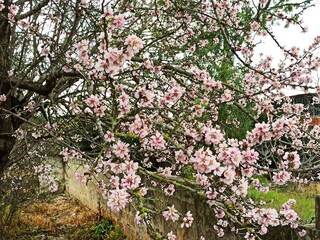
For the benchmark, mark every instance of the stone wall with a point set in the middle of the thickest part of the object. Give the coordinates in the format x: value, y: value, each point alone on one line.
x: 90, y: 196
x: 183, y: 201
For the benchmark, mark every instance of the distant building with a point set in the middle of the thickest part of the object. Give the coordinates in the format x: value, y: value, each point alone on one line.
x: 307, y: 100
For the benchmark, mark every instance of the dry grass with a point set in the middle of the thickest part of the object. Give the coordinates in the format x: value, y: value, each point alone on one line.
x: 54, y: 217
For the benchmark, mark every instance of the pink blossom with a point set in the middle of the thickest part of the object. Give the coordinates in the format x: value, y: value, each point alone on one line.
x: 169, y: 190
x: 187, y: 220
x: 116, y: 168
x: 165, y: 171
x: 30, y: 106
x: 118, y: 199
x: 166, y: 5
x: 202, y: 179
x: 100, y: 111
x: 192, y: 48
x: 109, y: 136
x: 302, y: 233
x: 158, y: 142
x: 130, y: 167
x: 254, y: 26
x: 242, y: 188
x: 64, y: 153
x: 226, y: 96
x: 290, y: 215
x: 120, y: 149
x: 130, y: 181
x: 23, y: 24
x: 103, y: 65
x: 220, y: 213
x: 230, y: 156
x: 143, y: 191
x: 156, y: 69
x: 84, y: 3
x: 13, y: 9
x: 171, y: 214
x: 45, y: 52
x: 10, y: 73
x: 180, y: 157
x: 229, y: 175
x: 281, y: 177
x: 134, y: 44
x: 171, y: 236
x: 220, y: 231
x: 93, y: 101
x: 263, y: 230
x: 118, y: 21
x: 80, y: 178
x: 260, y: 133
x: 108, y: 13
x: 204, y: 161
x: 19, y: 134
x: 11, y: 17
x: 53, y: 187
x: 290, y: 203
x: 214, y: 136
x: 193, y: 133
x: 3, y: 98
x: 176, y: 93
x: 148, y: 64
x: 138, y: 218
x: 293, y: 159
x: 250, y: 156
x: 265, y: 217
x: 115, y: 181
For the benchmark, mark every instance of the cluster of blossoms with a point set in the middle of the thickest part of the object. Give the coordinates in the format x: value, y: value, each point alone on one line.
x: 46, y: 177
x: 110, y: 60
x: 118, y: 199
x: 204, y: 161
x: 69, y: 153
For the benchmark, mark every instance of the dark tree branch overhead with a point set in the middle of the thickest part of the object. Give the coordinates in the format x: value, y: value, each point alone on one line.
x: 45, y: 84
x: 33, y: 11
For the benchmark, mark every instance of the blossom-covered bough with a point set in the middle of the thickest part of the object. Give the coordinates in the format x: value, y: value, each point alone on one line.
x: 163, y: 93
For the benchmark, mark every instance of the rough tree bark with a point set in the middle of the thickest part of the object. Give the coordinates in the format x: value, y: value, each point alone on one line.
x: 6, y: 128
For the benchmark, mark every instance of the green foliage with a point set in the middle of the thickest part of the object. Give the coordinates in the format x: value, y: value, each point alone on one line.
x: 228, y: 114
x: 105, y: 230
x: 277, y: 196
x: 262, y: 178
x: 188, y: 172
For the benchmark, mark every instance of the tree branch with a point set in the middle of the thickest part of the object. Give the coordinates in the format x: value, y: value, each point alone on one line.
x: 33, y: 11
x: 50, y: 80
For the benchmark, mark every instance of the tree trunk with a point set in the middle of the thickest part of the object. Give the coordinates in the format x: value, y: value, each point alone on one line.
x: 6, y: 129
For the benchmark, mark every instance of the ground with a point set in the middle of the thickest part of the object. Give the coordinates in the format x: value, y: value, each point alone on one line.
x: 54, y: 218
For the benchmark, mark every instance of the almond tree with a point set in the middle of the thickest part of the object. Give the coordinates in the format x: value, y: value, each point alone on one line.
x: 140, y: 90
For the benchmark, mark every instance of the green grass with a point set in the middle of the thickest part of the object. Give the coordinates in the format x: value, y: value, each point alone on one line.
x: 279, y: 195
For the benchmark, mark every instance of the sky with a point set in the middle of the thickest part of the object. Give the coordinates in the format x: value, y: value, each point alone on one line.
x: 293, y: 37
